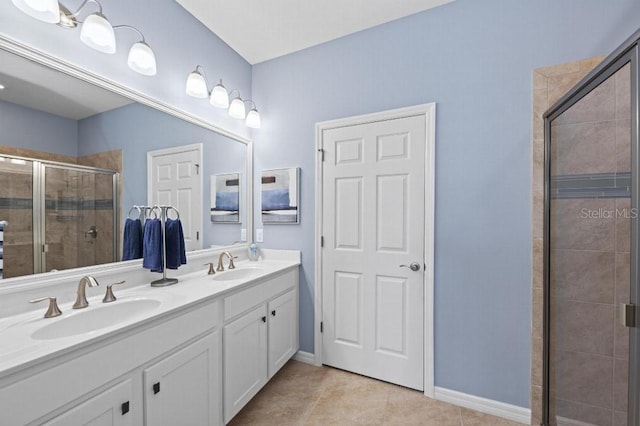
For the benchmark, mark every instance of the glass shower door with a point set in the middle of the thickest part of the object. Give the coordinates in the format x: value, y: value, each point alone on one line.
x: 79, y: 220
x: 589, y: 254
x: 16, y: 217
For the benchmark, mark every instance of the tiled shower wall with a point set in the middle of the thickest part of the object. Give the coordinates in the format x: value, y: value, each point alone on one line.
x: 591, y: 263
x: 65, y: 222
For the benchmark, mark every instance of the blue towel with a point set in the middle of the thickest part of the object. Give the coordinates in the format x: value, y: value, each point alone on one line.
x: 152, y: 245
x: 132, y: 239
x: 176, y: 255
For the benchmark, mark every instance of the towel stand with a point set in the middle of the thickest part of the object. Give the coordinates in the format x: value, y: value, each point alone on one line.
x: 164, y: 210
x: 144, y: 212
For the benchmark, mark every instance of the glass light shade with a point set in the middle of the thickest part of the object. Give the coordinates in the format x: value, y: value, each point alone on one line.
x: 253, y: 119
x: 219, y: 96
x: 196, y: 85
x: 97, y: 33
x: 141, y: 59
x: 236, y: 110
x: 42, y: 10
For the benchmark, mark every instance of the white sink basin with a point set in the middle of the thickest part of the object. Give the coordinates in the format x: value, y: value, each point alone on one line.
x: 95, y: 318
x: 236, y: 274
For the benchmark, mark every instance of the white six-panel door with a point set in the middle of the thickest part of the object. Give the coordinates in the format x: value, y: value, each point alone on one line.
x: 373, y: 221
x: 175, y: 180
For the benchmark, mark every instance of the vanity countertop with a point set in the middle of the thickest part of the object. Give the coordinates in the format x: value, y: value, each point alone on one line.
x: 22, y: 345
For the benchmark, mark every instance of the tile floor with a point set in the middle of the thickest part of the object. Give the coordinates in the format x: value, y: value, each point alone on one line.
x: 302, y: 394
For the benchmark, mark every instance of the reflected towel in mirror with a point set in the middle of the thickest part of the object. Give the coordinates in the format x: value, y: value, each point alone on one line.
x: 176, y: 255
x: 152, y: 245
x: 132, y: 240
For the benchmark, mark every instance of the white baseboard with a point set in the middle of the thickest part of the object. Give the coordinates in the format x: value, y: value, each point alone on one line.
x: 306, y: 357
x: 484, y: 405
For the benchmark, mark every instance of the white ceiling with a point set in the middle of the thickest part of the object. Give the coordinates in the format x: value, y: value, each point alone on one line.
x: 260, y: 30
x: 38, y: 87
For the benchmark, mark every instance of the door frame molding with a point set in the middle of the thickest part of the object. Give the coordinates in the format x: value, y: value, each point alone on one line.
x: 176, y: 150
x: 429, y: 112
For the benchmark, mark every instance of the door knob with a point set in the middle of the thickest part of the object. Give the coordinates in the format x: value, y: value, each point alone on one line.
x: 414, y: 266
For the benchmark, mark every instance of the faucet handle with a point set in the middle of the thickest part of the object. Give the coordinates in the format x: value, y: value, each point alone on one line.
x: 231, y: 264
x: 212, y: 270
x: 109, y: 296
x: 53, y: 310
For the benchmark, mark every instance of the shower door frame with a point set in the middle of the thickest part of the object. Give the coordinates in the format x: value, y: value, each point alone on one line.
x: 39, y: 203
x: 628, y: 52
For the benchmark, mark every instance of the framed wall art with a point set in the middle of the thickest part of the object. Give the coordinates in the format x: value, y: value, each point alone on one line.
x: 225, y: 198
x: 280, y: 196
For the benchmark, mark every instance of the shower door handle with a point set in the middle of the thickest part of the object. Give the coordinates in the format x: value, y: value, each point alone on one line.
x: 627, y: 315
x: 92, y: 232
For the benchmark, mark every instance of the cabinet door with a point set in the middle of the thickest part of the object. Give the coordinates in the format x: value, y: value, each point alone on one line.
x: 283, y: 331
x: 245, y: 360
x: 185, y: 388
x: 109, y: 408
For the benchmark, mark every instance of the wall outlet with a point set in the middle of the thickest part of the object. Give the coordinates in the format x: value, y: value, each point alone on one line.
x: 259, y: 235
x: 243, y: 234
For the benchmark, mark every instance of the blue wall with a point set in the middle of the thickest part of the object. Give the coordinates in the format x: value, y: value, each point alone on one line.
x: 32, y: 129
x: 474, y: 59
x: 137, y: 129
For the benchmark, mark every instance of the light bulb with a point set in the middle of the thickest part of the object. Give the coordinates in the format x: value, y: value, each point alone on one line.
x: 196, y: 85
x: 97, y: 33
x: 253, y: 119
x: 141, y: 59
x: 42, y: 10
x: 236, y: 110
x: 219, y: 96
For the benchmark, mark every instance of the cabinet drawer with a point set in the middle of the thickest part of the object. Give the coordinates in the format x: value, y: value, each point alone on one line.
x: 246, y: 299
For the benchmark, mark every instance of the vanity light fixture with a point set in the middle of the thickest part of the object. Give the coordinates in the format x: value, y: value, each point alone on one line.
x: 253, y: 118
x: 141, y: 58
x: 219, y: 96
x: 236, y: 109
x: 197, y: 87
x: 197, y: 83
x: 42, y: 10
x: 97, y: 32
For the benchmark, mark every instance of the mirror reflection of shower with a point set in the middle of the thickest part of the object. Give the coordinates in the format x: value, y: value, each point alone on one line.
x: 55, y: 216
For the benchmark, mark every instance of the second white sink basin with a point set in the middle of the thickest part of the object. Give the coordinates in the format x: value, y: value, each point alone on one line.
x: 95, y: 318
x: 236, y: 274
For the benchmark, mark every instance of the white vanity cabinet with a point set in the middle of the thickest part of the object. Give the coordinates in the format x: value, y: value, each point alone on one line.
x: 181, y: 352
x: 245, y: 360
x: 185, y: 388
x: 283, y: 330
x: 111, y: 407
x: 196, y: 363
x: 259, y: 336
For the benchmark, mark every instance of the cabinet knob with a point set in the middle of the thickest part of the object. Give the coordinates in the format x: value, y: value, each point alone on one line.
x: 156, y: 388
x: 125, y: 408
x: 264, y: 319
x: 273, y: 313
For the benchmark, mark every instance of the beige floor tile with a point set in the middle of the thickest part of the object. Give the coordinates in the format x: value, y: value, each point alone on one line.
x: 305, y: 395
x: 474, y: 418
x: 409, y: 407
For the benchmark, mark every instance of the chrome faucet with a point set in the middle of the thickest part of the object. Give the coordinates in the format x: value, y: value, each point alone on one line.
x: 220, y: 267
x: 81, y: 299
